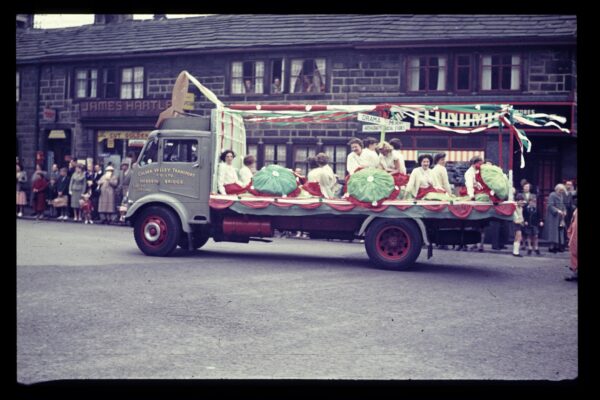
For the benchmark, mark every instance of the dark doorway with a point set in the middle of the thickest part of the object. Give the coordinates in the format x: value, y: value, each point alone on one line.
x: 59, y: 145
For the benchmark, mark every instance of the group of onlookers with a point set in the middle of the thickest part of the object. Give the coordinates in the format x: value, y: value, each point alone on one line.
x: 85, y: 194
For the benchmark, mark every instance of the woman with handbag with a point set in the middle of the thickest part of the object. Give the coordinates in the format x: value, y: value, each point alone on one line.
x: 77, y: 186
x: 106, y: 203
x: 61, y: 201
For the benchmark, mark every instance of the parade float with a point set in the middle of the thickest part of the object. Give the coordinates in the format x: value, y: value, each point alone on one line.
x: 176, y: 203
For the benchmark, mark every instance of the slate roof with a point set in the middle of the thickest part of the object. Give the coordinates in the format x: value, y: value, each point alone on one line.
x: 245, y: 32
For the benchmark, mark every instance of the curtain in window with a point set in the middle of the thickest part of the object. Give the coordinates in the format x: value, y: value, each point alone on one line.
x: 413, y: 74
x: 259, y: 74
x: 441, y: 73
x: 486, y: 73
x: 320, y: 74
x: 236, y: 78
x: 81, y: 83
x: 296, y: 79
x: 515, y: 76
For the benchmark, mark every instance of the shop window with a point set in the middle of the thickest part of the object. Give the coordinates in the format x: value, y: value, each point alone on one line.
x: 308, y: 75
x: 337, y: 158
x: 252, y: 149
x: 86, y: 83
x: 500, y: 72
x: 180, y: 150
x: 150, y: 153
x: 277, y: 76
x: 247, y: 77
x: 463, y: 73
x: 427, y: 73
x: 275, y: 154
x: 132, y: 83
x: 301, y: 153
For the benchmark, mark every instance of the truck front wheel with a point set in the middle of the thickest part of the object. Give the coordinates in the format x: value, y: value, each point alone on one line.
x: 157, y: 231
x: 393, y: 244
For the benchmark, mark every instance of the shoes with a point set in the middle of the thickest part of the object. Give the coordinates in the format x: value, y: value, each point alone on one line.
x: 480, y: 250
x: 85, y: 222
x: 552, y: 250
x: 529, y: 252
x: 572, y: 278
x: 517, y: 255
x: 91, y: 222
x: 537, y: 251
x: 20, y: 214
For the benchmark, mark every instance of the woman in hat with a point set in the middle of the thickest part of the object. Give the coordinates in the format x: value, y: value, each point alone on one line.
x: 421, y: 179
x: 106, y: 203
x: 39, y: 194
x: 77, y: 187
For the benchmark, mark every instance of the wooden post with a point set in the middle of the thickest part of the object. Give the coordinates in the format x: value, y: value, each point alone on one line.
x: 500, y: 160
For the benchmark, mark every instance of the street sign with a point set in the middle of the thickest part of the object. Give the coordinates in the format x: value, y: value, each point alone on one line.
x: 373, y: 119
x: 402, y: 127
x: 388, y: 124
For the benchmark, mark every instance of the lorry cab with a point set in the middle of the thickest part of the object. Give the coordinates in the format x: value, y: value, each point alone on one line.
x: 173, y: 171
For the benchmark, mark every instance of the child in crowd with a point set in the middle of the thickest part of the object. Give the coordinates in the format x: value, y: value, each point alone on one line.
x: 87, y: 207
x: 51, y: 195
x: 532, y: 225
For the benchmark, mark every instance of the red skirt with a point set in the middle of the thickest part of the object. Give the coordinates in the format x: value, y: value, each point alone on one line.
x: 429, y: 189
x: 313, y: 188
x: 400, y: 179
x: 234, y: 188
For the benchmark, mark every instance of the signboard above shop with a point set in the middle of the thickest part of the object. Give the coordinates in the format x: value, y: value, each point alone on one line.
x: 122, y: 108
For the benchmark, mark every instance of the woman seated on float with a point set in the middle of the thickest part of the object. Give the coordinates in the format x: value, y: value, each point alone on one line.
x: 390, y: 161
x: 321, y: 180
x: 228, y: 181
x: 368, y: 156
x: 421, y: 179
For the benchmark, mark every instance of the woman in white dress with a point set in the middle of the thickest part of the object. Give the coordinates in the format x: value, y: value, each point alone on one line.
x: 390, y: 162
x: 322, y: 179
x: 228, y: 181
x: 247, y: 171
x: 421, y: 179
x: 440, y: 174
x: 368, y: 156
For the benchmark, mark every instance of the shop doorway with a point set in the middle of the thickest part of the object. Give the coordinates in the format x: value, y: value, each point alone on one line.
x: 59, y: 146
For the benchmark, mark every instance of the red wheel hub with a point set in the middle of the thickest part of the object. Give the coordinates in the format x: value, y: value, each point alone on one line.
x: 392, y: 243
x: 154, y: 231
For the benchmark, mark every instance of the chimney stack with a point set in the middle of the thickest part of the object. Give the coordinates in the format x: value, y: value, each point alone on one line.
x: 104, y: 19
x: 25, y: 21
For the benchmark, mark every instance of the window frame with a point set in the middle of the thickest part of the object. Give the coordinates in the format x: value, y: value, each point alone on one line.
x: 243, y: 78
x: 88, y: 80
x: 18, y: 77
x: 291, y: 80
x: 500, y: 90
x: 332, y: 159
x: 132, y: 83
x: 277, y: 146
x: 427, y: 68
x: 307, y: 147
x: 456, y: 68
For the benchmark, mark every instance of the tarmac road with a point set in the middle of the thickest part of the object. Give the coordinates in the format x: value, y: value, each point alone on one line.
x: 90, y: 305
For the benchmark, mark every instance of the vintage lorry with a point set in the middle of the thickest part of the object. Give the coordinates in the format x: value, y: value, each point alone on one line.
x: 172, y: 204
x: 173, y: 201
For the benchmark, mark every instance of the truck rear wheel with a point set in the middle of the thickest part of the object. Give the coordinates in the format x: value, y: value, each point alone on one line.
x: 393, y: 244
x: 157, y: 231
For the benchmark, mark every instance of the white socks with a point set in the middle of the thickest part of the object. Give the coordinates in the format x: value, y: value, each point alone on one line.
x: 516, y: 246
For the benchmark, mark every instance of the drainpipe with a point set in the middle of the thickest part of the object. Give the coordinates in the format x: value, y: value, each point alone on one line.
x: 37, y: 113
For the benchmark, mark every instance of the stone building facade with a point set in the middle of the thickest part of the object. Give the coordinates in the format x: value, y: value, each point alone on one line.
x: 74, y: 100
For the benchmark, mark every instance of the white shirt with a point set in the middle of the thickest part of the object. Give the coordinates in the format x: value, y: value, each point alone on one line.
x: 326, y: 178
x: 369, y: 158
x: 352, y: 162
x: 397, y: 154
x: 470, y: 182
x: 440, y: 178
x: 245, y: 175
x: 419, y: 178
x: 227, y: 175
